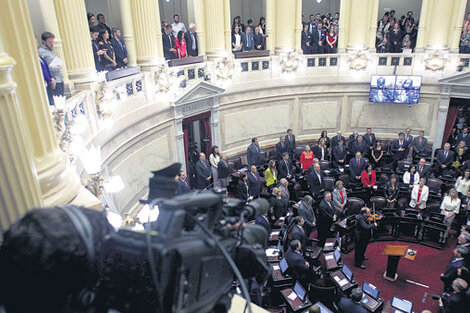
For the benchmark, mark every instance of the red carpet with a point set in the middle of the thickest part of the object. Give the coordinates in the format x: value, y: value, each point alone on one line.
x: 425, y: 269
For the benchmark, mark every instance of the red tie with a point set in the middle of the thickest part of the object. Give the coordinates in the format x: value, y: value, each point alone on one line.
x: 204, y: 163
x: 358, y: 162
x: 420, y: 140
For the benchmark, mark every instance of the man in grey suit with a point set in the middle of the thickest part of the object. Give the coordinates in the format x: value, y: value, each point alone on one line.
x: 306, y: 211
x: 419, y: 144
x: 203, y: 172
x: 248, y: 40
x: 252, y: 153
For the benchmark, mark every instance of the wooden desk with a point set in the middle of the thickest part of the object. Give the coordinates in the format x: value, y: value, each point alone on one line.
x: 394, y: 253
x: 274, y: 236
x: 252, y: 54
x: 337, y: 276
x: 186, y: 61
x: 295, y: 305
x: 277, y: 276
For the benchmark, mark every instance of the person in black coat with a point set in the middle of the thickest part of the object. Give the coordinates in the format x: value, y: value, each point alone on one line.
x: 395, y: 39
x: 290, y: 141
x: 362, y: 236
x: 169, y: 43
x: 353, y: 304
x: 360, y: 146
x: 326, y: 218
x: 356, y: 166
x: 456, y: 301
x: 318, y: 39
x: 444, y: 159
x: 286, y: 169
x: 423, y: 169
x: 183, y: 184
x: 223, y: 171
x: 258, y: 39
x: 203, y: 172
x: 263, y: 220
x: 399, y: 149
x: 97, y: 53
x: 281, y: 147
x: 253, y: 153
x: 336, y: 139
x: 339, y: 154
x: 306, y: 41
x: 298, y: 265
x: 306, y: 211
x: 458, y: 261
x: 315, y: 180
x: 369, y: 138
x: 119, y: 48
x: 391, y: 190
x: 191, y: 41
x: 298, y: 231
x: 242, y: 188
x: 278, y: 204
x: 254, y: 184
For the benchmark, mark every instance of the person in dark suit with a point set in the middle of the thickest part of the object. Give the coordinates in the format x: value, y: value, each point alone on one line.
x: 466, y: 166
x: 315, y: 180
x: 356, y: 166
x: 339, y: 154
x: 286, y: 169
x: 369, y: 138
x: 324, y: 135
x: 168, y: 39
x: 263, y: 220
x: 191, y: 41
x: 248, y: 41
x: 306, y: 41
x: 290, y: 141
x: 306, y: 211
x: 254, y: 184
x: 297, y: 263
x: 321, y: 151
x: 203, y: 172
x: 391, y: 190
x: 183, y: 184
x: 465, y: 136
x: 336, y: 139
x: 318, y: 39
x: 420, y: 144
x: 258, y: 39
x: 253, y: 153
x: 423, y: 169
x: 408, y: 139
x: 281, y: 148
x: 457, y: 301
x: 102, y: 24
x: 450, y: 272
x: 360, y: 146
x: 223, y: 171
x: 444, y: 159
x: 326, y: 218
x: 242, y: 188
x: 298, y: 232
x: 97, y: 53
x: 353, y: 304
x: 119, y: 46
x: 395, y: 39
x: 399, y: 149
x: 353, y: 139
x: 362, y: 237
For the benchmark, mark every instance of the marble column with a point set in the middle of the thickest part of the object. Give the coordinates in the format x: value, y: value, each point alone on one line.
x: 49, y: 19
x: 214, y: 24
x: 458, y: 15
x: 270, y: 24
x: 77, y: 43
x: 343, y: 31
x: 374, y: 12
x: 298, y: 26
x: 426, y: 7
x: 436, y: 38
x: 19, y: 187
x: 359, y: 32
x: 147, y: 32
x: 199, y: 18
x: 128, y: 30
x: 441, y: 117
x: 59, y: 183
x: 285, y: 26
x: 228, y: 26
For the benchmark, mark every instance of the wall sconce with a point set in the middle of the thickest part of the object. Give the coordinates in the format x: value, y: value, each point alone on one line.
x: 91, y: 160
x: 289, y: 62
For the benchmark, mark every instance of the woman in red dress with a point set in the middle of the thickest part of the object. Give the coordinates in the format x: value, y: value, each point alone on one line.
x: 180, y: 44
x: 331, y: 40
x: 306, y: 158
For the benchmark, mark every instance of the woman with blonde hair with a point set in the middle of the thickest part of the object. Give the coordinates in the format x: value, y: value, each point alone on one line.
x: 278, y: 204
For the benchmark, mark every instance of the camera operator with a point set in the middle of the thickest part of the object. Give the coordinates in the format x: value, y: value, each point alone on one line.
x: 457, y: 301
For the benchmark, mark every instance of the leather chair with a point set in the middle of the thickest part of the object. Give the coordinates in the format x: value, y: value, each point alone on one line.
x: 324, y: 165
x: 379, y: 202
x: 298, y: 151
x: 345, y: 179
x: 433, y: 207
x: 237, y: 163
x: 435, y: 185
x: 403, y: 203
x: 403, y: 166
x: 325, y: 294
x: 353, y: 206
x: 329, y: 183
x: 272, y: 154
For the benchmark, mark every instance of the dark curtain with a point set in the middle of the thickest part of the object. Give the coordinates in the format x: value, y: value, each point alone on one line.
x: 207, y: 131
x: 451, y: 117
x: 186, y: 146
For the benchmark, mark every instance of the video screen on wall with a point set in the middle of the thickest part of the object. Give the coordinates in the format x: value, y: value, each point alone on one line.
x: 395, y: 88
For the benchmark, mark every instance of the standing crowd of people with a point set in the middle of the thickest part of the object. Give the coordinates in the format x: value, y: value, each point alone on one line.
x: 320, y: 33
x: 396, y: 35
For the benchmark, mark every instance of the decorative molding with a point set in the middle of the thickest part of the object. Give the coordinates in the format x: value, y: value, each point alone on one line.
x: 358, y: 60
x: 435, y: 61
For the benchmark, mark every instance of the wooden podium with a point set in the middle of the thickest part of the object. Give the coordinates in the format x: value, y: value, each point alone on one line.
x: 394, y: 253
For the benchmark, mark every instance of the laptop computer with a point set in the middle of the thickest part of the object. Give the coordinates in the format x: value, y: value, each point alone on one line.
x: 370, y: 299
x: 300, y: 291
x: 347, y: 272
x: 401, y: 305
x: 283, y: 265
x: 332, y: 259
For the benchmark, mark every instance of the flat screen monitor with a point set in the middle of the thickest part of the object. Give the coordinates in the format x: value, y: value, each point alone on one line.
x: 337, y: 254
x: 283, y: 265
x: 382, y: 88
x: 299, y: 291
x: 371, y: 290
x: 407, y: 89
x: 347, y: 272
x: 402, y: 305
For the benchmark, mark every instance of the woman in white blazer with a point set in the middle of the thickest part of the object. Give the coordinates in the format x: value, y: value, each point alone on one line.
x: 419, y: 195
x: 411, y: 177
